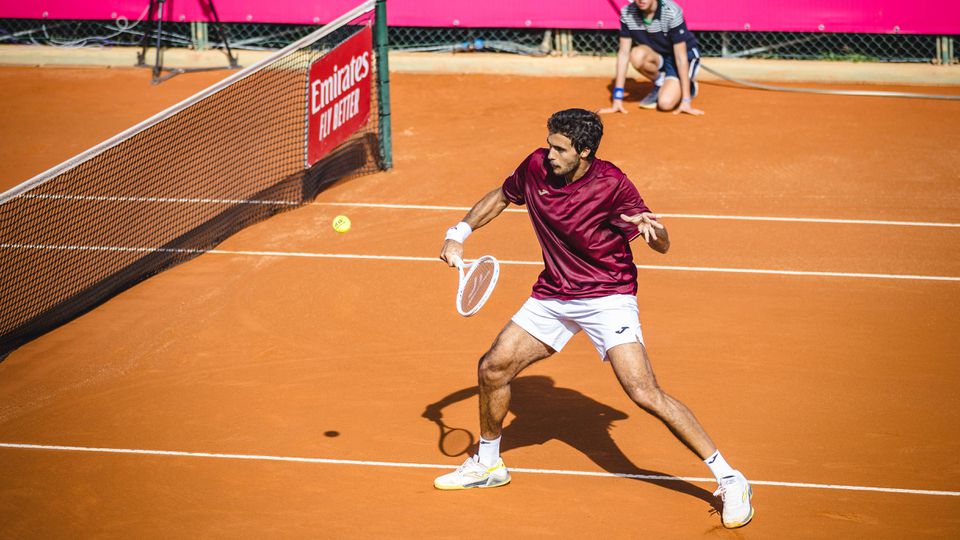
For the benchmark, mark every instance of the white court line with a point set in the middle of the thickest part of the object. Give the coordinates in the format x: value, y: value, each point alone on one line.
x: 328, y: 461
x: 434, y: 260
x: 677, y: 216
x: 92, y: 198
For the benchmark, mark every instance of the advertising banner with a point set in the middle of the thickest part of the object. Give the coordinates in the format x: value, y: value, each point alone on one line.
x: 338, y: 94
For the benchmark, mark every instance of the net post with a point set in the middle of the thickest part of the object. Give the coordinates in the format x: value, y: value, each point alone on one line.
x: 383, y: 84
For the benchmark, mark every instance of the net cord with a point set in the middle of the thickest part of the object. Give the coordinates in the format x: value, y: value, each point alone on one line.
x: 320, y: 33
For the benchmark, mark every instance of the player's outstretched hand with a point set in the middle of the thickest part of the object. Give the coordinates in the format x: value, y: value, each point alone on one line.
x: 451, y: 251
x: 616, y: 106
x: 646, y: 222
x: 685, y: 107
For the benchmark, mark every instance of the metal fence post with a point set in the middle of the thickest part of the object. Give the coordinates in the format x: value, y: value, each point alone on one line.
x: 945, y: 51
x: 198, y: 35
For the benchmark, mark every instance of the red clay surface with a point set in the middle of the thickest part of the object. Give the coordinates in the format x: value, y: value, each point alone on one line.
x: 823, y: 380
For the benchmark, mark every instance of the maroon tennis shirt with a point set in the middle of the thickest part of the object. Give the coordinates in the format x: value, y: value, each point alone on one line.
x: 585, y: 244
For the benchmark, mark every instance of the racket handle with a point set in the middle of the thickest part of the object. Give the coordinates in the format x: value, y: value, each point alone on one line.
x: 457, y: 261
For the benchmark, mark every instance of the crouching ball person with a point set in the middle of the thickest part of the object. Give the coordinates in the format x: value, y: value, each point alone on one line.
x: 585, y: 212
x: 654, y: 38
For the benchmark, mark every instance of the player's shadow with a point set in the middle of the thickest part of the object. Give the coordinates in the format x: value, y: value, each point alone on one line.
x: 543, y: 412
x: 634, y: 90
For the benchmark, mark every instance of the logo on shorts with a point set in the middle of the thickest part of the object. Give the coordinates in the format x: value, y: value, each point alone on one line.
x: 543, y: 192
x: 620, y: 331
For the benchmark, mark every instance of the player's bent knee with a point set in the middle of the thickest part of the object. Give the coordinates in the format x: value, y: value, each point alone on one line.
x: 492, y: 373
x: 667, y: 103
x: 640, y: 57
x: 648, y: 398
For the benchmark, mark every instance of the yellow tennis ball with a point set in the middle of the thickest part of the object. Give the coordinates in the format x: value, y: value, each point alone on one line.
x: 341, y: 224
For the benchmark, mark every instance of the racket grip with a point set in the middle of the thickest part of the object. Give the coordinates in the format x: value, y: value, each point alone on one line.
x: 457, y: 261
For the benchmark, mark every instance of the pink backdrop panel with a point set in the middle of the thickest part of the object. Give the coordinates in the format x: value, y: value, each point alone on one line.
x: 868, y: 16
x: 272, y: 11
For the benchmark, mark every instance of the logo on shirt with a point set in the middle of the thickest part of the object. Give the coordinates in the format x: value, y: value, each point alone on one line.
x: 620, y: 331
x: 543, y: 192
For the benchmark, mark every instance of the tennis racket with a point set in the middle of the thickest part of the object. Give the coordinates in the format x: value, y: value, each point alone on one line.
x: 477, y: 281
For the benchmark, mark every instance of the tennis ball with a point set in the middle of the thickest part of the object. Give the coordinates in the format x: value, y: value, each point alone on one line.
x: 341, y: 224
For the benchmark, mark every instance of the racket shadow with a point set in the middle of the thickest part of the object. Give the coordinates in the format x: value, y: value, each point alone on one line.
x: 450, y: 442
x: 544, y: 412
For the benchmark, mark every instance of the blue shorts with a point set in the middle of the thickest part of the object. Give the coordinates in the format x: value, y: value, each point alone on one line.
x: 668, y: 66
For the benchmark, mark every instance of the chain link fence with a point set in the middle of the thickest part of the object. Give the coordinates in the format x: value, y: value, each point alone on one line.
x: 786, y: 45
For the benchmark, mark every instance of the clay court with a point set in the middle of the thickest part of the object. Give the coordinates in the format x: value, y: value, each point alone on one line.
x: 293, y: 382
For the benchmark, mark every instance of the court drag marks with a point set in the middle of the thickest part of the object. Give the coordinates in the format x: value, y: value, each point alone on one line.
x: 825, y: 380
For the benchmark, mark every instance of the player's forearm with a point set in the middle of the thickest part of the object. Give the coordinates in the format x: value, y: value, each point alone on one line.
x: 487, y: 208
x: 623, y: 61
x: 683, y: 69
x: 623, y: 64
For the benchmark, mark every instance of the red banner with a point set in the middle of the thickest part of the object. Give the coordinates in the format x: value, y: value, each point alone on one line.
x: 338, y: 95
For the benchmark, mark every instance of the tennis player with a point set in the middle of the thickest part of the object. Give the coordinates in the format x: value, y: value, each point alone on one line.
x: 655, y: 39
x: 585, y: 212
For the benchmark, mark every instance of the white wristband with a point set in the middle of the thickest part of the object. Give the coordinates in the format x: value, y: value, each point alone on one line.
x: 459, y: 232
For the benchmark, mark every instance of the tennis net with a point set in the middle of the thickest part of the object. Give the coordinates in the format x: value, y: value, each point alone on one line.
x: 264, y: 140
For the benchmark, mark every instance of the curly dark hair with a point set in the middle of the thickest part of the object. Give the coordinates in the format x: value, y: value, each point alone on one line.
x: 582, y: 127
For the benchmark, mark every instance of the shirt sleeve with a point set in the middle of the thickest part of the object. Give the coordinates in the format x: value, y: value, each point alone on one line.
x: 624, y: 31
x: 677, y: 27
x: 627, y: 200
x: 513, y: 186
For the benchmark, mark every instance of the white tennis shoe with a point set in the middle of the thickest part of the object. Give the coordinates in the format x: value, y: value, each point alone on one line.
x: 736, y: 494
x: 472, y: 474
x: 650, y: 100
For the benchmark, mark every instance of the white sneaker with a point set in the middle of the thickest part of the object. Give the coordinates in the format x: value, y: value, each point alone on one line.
x: 736, y: 494
x: 474, y: 475
x: 650, y: 100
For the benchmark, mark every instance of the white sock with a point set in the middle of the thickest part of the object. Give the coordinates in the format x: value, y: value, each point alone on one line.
x: 718, y: 466
x: 489, y: 452
x: 659, y: 82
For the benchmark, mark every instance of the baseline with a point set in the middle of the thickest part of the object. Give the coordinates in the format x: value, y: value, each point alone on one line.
x: 330, y: 461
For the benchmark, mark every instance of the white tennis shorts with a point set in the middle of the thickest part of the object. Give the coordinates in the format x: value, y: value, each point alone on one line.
x: 608, y: 320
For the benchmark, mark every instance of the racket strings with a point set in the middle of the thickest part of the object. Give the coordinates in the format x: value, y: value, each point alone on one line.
x: 477, y: 283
